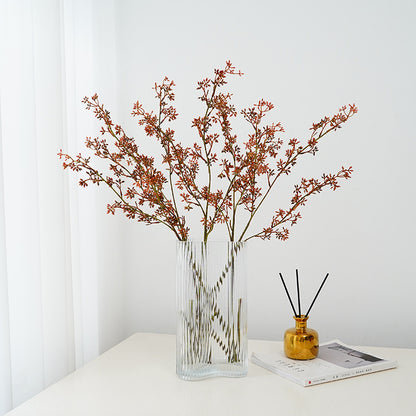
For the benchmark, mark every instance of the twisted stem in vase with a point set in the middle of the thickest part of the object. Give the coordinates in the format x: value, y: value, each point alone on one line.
x: 204, y: 311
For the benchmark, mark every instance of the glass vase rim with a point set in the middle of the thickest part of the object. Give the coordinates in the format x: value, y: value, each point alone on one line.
x: 209, y: 242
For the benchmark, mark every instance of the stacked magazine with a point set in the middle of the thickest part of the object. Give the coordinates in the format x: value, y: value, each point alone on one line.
x: 334, y: 362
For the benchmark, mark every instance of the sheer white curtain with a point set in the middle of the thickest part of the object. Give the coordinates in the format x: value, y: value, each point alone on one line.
x: 49, y: 285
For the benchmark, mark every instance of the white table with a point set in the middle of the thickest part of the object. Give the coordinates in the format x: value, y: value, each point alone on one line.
x: 137, y: 377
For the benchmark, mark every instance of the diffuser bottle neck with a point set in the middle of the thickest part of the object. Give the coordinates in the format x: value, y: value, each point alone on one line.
x: 301, y: 323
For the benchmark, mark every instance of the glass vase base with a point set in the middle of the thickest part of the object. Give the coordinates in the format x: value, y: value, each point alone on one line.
x: 203, y: 371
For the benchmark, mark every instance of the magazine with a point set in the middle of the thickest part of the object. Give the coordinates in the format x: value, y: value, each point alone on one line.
x: 335, y: 361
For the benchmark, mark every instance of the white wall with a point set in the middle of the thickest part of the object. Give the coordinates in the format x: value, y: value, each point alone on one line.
x: 309, y: 58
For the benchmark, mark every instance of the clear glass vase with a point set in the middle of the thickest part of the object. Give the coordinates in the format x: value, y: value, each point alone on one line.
x: 211, y: 337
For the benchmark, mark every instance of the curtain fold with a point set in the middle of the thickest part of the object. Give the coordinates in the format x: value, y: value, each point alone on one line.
x: 5, y: 370
x: 49, y: 284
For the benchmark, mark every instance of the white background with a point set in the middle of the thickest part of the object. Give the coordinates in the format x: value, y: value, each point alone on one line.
x: 308, y: 58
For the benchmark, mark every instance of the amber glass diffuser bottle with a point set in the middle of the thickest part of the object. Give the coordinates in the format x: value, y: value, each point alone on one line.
x: 301, y: 342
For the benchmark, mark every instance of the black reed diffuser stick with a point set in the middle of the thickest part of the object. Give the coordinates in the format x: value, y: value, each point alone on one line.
x: 297, y: 315
x: 317, y: 293
x: 297, y: 288
x: 287, y: 293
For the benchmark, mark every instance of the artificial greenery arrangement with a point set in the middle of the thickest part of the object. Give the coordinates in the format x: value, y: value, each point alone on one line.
x: 219, y: 174
x: 227, y: 179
